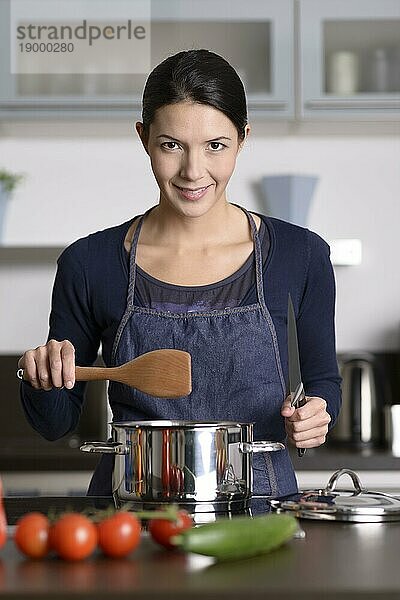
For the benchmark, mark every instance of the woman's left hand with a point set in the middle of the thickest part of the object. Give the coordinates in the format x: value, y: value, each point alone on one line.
x: 306, y: 426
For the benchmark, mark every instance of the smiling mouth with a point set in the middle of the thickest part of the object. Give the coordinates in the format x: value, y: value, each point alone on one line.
x: 193, y: 189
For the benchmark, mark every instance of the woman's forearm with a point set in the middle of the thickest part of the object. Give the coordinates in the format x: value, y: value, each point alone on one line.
x: 52, y: 413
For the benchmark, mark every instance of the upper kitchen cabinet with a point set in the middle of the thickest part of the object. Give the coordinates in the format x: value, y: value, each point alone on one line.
x: 349, y: 59
x: 255, y: 36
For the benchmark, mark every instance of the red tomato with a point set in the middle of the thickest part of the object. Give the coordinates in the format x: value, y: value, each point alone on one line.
x: 119, y: 534
x: 52, y: 543
x: 3, y: 520
x: 162, y: 530
x: 73, y: 536
x: 32, y: 535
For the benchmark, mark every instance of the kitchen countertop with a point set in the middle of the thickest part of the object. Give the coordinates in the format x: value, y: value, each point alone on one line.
x: 331, y: 458
x: 341, y: 561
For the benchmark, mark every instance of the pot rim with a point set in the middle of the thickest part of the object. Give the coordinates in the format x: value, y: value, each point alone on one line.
x: 177, y: 424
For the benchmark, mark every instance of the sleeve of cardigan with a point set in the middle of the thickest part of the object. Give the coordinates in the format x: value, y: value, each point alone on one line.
x: 56, y: 412
x: 316, y: 328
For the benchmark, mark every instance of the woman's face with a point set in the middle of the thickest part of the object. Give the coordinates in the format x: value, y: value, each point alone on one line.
x: 193, y: 149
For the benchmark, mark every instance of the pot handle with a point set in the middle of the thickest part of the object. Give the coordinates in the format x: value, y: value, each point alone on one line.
x: 253, y: 447
x: 104, y: 447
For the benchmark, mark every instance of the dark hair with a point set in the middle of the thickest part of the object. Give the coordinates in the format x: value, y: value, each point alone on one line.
x: 195, y: 76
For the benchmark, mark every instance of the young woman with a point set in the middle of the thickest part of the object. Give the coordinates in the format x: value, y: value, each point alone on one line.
x: 198, y: 273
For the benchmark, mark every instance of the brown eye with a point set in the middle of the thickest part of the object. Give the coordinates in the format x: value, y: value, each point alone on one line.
x: 213, y: 144
x: 164, y: 145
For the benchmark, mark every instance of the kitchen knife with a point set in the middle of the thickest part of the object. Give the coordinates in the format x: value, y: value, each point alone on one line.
x: 296, y: 387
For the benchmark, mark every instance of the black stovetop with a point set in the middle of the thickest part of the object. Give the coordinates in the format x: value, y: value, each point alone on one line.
x: 16, y: 506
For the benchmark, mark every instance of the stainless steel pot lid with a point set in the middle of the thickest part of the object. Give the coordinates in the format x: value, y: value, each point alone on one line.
x: 358, y: 505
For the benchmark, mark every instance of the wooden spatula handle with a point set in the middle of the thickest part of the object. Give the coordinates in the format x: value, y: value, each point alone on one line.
x: 93, y: 373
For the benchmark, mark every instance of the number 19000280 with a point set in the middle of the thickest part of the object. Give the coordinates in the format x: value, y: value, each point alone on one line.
x: 46, y: 47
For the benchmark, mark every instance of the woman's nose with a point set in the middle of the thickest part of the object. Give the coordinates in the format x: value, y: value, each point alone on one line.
x: 192, y: 166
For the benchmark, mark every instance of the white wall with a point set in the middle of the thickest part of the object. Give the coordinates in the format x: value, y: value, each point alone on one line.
x: 83, y: 177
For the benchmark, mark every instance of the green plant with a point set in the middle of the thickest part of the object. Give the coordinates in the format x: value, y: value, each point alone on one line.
x: 9, y: 180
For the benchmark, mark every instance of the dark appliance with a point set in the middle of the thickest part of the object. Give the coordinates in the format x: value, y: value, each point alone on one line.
x: 366, y: 391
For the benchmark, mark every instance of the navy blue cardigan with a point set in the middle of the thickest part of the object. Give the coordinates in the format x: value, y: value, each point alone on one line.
x: 89, y: 299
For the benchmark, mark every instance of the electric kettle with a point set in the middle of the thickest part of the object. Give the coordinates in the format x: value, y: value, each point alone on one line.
x: 360, y: 422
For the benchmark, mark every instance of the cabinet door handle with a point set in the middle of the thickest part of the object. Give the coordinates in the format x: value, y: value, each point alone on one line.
x: 267, y: 104
x: 356, y: 103
x: 70, y: 105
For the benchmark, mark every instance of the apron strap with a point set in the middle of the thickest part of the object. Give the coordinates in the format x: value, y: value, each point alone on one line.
x: 261, y: 298
x: 257, y: 257
x: 132, y: 259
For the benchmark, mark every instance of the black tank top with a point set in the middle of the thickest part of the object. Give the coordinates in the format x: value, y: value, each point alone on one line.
x: 229, y: 292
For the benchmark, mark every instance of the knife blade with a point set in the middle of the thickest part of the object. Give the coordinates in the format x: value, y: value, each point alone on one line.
x: 296, y: 387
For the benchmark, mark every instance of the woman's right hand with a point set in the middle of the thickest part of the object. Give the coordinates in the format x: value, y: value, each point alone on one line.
x: 51, y: 365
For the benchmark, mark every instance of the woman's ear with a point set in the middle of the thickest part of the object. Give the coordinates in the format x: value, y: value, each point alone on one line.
x: 246, y: 135
x: 143, y: 138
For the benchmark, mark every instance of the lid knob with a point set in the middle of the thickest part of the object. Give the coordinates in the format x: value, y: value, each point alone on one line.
x: 331, y: 486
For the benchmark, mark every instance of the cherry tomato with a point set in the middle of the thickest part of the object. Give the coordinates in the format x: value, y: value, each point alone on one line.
x: 32, y: 535
x: 52, y: 543
x: 162, y: 530
x: 73, y: 536
x: 119, y: 534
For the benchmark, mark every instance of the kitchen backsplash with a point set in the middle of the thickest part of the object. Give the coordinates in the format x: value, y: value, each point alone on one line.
x: 78, y: 181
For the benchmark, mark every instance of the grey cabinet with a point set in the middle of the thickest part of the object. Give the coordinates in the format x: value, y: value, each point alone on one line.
x: 349, y: 59
x: 304, y: 59
x: 256, y: 37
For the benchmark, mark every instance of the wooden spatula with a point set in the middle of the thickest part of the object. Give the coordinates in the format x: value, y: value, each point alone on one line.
x: 165, y: 373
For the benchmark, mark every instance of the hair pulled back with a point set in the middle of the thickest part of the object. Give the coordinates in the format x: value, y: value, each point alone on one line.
x: 195, y: 76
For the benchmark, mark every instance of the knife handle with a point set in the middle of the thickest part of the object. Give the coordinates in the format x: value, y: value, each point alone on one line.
x: 300, y: 400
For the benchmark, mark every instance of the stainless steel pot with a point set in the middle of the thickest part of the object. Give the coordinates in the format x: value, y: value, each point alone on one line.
x: 182, y: 461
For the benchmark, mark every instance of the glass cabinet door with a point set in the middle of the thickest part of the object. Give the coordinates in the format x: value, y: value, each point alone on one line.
x: 100, y: 84
x: 350, y: 58
x: 255, y: 36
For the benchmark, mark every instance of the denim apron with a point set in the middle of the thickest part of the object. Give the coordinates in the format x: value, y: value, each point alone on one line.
x: 236, y: 374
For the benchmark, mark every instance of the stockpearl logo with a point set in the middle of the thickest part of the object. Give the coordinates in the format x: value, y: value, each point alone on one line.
x: 73, y: 36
